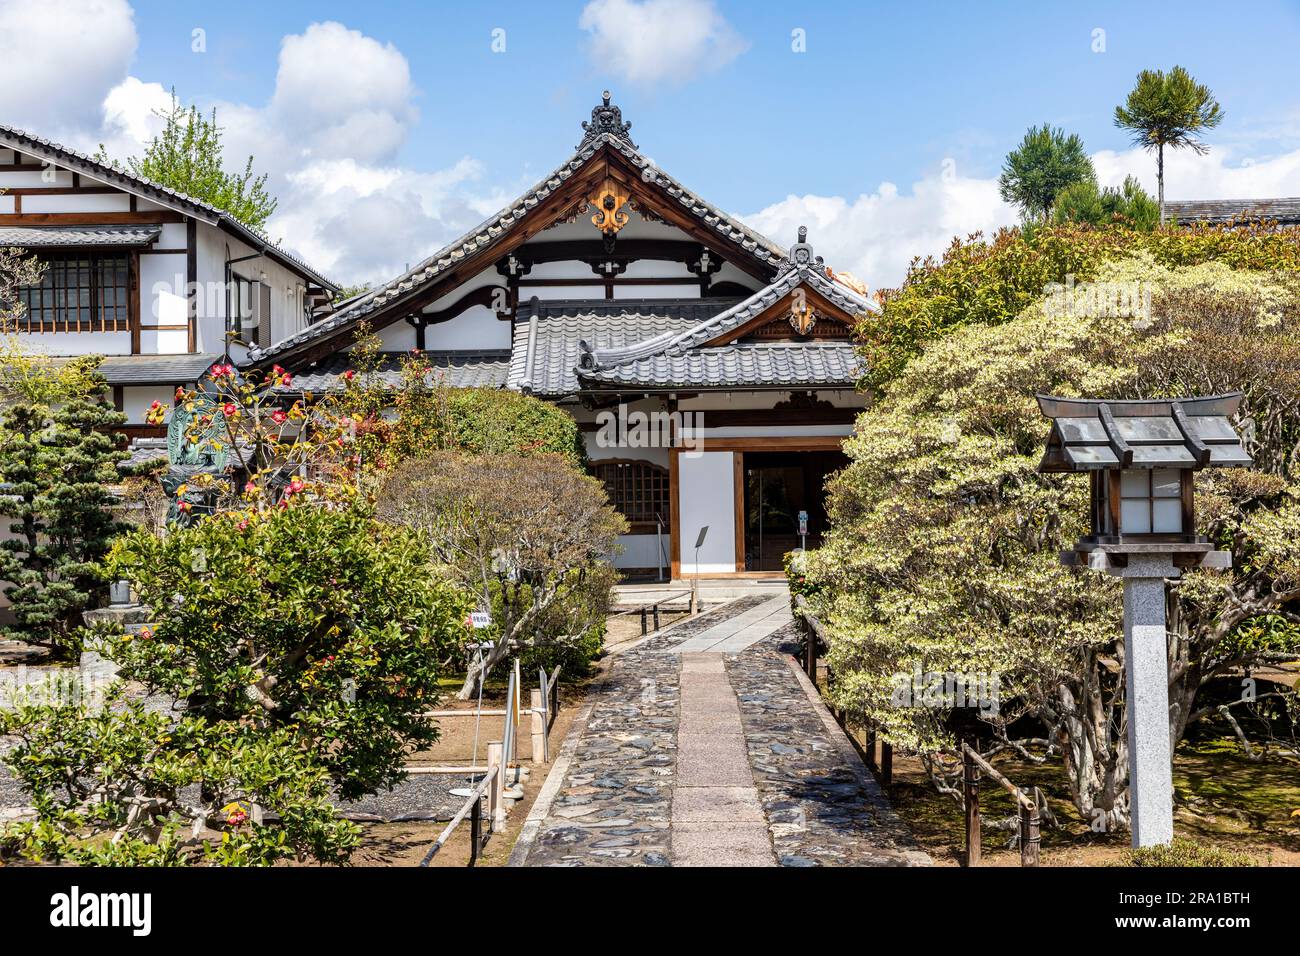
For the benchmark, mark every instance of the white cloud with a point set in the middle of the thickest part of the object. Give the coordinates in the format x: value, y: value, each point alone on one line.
x: 58, y: 60
x: 659, y: 41
x: 876, y: 235
x: 1222, y: 173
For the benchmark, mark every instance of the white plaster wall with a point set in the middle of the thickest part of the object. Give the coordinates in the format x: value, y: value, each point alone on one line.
x: 95, y: 202
x: 643, y: 551
x: 706, y: 496
x: 76, y: 343
x: 136, y: 400
x: 287, y: 287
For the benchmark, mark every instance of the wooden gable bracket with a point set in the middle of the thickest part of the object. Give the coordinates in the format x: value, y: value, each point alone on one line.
x: 781, y: 312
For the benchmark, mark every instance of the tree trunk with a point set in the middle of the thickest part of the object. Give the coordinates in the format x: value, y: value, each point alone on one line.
x: 1160, y: 179
x: 490, y: 660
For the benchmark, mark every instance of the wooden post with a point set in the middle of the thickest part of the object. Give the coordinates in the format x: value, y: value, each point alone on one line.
x: 810, y: 654
x: 644, y: 623
x: 971, y: 799
x: 475, y: 830
x: 886, y: 763
x: 656, y: 617
x: 1029, y: 831
x: 539, y: 725
x: 497, y: 789
x: 870, y: 746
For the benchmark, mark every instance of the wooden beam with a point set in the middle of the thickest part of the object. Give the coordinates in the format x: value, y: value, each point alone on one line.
x: 674, y: 513
x: 151, y: 218
x: 192, y: 282
x: 775, y: 443
x: 738, y: 506
x: 134, y: 318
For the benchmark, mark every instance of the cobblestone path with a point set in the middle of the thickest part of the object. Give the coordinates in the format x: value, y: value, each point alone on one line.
x: 702, y: 747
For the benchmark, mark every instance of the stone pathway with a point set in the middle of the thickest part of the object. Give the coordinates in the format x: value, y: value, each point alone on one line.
x: 703, y: 748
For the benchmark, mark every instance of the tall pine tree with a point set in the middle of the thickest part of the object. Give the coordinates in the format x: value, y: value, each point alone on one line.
x: 57, y: 463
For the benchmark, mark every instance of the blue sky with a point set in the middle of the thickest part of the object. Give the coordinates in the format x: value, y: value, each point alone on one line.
x: 886, y: 133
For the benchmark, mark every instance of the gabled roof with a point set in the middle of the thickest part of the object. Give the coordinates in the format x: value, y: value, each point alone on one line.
x: 750, y: 365
x: 24, y: 142
x: 665, y: 358
x: 606, y: 131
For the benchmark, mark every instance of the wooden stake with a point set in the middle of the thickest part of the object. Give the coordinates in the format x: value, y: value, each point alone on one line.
x: 971, y: 799
x: 1029, y: 831
x: 539, y: 725
x: 497, y: 789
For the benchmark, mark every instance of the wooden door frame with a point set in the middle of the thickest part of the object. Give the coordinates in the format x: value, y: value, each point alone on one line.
x: 737, y: 446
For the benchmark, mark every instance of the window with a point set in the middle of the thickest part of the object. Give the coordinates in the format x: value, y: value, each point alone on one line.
x: 1151, y: 501
x: 254, y: 310
x: 79, y: 292
x: 638, y: 490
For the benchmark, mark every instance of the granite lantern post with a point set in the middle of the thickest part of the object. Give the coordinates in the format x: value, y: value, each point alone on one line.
x: 1140, y: 458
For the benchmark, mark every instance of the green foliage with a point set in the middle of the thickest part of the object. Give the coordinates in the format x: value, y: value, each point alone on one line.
x: 1046, y: 162
x: 188, y: 157
x: 1168, y: 109
x: 1129, y: 205
x: 57, y: 460
x: 1183, y: 852
x: 526, y: 537
x: 988, y: 282
x: 423, y: 414
x: 125, y: 786
x: 321, y: 622
x: 944, y: 541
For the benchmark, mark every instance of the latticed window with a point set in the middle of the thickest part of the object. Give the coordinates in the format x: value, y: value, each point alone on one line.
x: 79, y: 293
x: 638, y: 490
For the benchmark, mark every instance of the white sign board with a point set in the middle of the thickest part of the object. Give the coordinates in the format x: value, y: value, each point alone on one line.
x: 479, y: 620
x: 803, y: 522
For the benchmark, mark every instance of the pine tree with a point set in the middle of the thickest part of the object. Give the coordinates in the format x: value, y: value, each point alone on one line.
x: 57, y: 462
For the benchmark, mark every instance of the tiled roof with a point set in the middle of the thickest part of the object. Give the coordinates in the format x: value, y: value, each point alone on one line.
x: 25, y: 142
x: 548, y: 332
x: 156, y: 369
x: 144, y: 451
x: 1186, y: 211
x: 493, y: 229
x: 457, y: 368
x: 678, y: 357
x: 744, y: 365
x: 44, y: 237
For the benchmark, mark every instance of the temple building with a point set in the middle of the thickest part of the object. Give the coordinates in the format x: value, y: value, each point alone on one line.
x: 710, y: 369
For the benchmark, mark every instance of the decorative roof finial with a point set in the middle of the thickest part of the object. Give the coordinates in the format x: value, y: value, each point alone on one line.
x: 801, y: 253
x: 605, y: 119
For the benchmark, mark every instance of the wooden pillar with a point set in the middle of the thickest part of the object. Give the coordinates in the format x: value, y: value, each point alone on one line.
x: 1029, y: 831
x: 538, y: 725
x: 970, y: 788
x: 869, y: 742
x: 886, y: 763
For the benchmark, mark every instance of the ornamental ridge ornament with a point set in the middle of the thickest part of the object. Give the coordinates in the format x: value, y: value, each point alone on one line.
x: 800, y: 255
x: 606, y: 119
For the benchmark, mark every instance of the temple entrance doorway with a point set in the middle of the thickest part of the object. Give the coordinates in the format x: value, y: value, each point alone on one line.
x: 779, y: 485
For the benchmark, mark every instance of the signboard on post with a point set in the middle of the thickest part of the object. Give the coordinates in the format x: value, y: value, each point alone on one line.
x: 479, y: 620
x: 803, y: 530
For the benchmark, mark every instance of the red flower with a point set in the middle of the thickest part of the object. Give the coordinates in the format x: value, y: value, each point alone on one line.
x: 230, y: 409
x: 295, y: 486
x: 286, y: 380
x: 349, y: 375
x: 183, y: 505
x: 250, y: 488
x: 279, y: 417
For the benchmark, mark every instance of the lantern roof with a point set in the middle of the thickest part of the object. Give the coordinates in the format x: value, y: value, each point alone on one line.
x: 1095, y: 434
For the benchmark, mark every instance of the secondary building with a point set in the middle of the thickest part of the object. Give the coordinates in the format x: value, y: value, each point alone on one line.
x: 147, y: 277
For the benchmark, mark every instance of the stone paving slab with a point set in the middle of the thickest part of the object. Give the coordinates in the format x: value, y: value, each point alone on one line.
x: 824, y: 808
x: 721, y: 844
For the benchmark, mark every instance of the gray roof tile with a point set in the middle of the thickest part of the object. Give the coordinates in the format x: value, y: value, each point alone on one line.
x: 547, y: 334
x: 44, y: 237
x: 457, y: 368
x: 179, y: 369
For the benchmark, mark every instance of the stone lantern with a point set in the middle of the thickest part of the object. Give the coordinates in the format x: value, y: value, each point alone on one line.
x: 1141, y: 458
